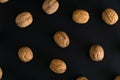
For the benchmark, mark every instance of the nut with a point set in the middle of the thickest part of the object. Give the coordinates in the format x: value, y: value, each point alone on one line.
x: 80, y: 16
x: 25, y: 54
x: 109, y: 16
x: 96, y: 53
x: 61, y: 39
x: 24, y: 19
x: 58, y: 66
x: 50, y: 6
x: 117, y: 77
x: 82, y: 78
x: 3, y: 1
x: 1, y: 73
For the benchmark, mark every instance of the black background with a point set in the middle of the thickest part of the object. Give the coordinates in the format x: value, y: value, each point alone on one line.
x: 39, y: 37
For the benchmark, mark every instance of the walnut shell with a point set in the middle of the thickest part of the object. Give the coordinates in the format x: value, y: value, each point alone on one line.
x: 58, y: 66
x: 96, y: 53
x: 80, y: 16
x: 61, y: 39
x: 117, y: 77
x: 109, y: 16
x: 50, y: 6
x: 1, y: 73
x: 3, y: 1
x: 24, y: 19
x: 25, y: 54
x: 82, y: 78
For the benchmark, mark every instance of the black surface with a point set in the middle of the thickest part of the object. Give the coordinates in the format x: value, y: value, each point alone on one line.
x: 39, y: 37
